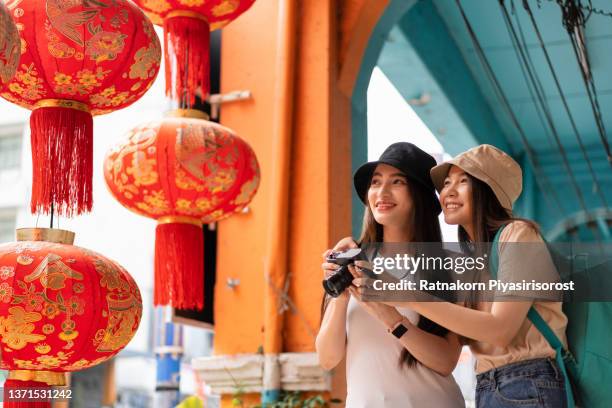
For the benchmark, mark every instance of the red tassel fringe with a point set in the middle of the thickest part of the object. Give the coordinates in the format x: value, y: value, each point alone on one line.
x: 179, y: 266
x: 20, y: 388
x: 62, y: 156
x: 186, y: 54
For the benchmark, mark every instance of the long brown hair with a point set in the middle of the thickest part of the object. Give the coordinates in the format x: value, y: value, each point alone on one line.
x: 427, y: 229
x: 488, y: 217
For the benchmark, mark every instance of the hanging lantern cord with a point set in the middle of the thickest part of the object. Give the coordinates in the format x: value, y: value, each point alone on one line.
x: 51, y: 226
x: 185, y: 96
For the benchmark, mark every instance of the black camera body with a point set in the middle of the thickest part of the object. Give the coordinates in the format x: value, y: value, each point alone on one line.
x: 342, y: 279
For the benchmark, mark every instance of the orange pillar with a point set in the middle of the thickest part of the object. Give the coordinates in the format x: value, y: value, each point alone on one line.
x: 328, y: 51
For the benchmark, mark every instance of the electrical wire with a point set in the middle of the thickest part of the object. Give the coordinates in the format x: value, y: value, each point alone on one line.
x: 537, y: 84
x: 567, y: 109
x: 540, y: 178
x: 533, y: 86
x: 573, y: 19
x: 591, y: 10
x: 541, y: 96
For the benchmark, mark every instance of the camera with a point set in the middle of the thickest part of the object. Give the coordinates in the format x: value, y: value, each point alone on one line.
x: 342, y: 279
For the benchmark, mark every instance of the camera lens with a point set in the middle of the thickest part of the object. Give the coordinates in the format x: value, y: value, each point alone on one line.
x: 338, y: 282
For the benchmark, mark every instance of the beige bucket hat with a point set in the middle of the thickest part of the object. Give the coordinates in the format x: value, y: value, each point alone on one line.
x: 488, y: 164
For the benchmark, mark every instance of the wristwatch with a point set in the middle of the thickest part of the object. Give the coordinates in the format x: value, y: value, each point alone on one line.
x: 398, y: 329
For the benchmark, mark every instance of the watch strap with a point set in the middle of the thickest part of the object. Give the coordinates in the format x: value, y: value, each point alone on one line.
x: 399, y: 331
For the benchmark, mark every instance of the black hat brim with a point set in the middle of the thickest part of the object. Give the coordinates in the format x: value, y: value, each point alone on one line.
x: 363, y: 176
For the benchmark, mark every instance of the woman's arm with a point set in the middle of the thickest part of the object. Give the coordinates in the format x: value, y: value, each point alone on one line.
x: 437, y: 353
x: 497, y: 327
x: 331, y: 339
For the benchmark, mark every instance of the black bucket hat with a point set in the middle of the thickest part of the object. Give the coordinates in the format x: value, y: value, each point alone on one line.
x: 407, y: 158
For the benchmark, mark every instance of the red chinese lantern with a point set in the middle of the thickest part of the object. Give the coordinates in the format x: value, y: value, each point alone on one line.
x: 183, y: 172
x: 79, y: 58
x: 9, y: 46
x: 187, y: 25
x: 62, y: 308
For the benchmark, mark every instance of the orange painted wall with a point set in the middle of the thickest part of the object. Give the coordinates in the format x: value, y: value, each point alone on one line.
x: 330, y: 44
x: 247, y: 62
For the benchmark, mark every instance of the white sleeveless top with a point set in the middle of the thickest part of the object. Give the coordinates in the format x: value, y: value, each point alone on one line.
x: 374, y: 377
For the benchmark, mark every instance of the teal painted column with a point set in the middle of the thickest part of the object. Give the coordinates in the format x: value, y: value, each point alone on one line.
x: 429, y: 36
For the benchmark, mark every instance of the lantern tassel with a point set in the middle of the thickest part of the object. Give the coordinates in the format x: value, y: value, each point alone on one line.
x: 179, y: 265
x: 186, y: 55
x: 19, y: 394
x: 62, y: 156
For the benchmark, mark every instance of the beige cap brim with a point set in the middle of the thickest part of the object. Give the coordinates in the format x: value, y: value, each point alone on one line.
x: 439, y: 173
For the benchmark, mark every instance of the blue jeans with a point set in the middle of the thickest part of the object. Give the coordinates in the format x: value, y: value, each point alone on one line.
x: 532, y: 383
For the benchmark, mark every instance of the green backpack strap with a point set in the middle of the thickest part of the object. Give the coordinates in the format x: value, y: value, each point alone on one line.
x: 561, y: 354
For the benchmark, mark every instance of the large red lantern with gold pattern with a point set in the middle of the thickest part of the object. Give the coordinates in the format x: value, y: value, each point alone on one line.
x: 79, y: 58
x: 9, y: 46
x: 183, y: 172
x: 62, y: 308
x: 187, y: 25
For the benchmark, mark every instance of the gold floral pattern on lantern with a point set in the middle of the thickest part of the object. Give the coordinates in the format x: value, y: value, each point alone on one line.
x: 156, y: 8
x: 218, y: 13
x: 10, y: 46
x: 76, y: 46
x: 191, y: 3
x: 17, y: 329
x: 27, y: 84
x: 105, y: 46
x: 209, y: 172
x: 6, y: 292
x: 146, y: 59
x: 225, y: 8
x: 42, y: 348
x: 52, y: 312
x: 6, y: 272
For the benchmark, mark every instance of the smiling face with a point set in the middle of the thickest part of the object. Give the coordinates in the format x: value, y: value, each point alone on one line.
x: 456, y: 198
x: 389, y: 197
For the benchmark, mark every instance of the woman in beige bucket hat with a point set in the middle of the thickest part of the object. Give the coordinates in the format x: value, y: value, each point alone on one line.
x: 515, y: 364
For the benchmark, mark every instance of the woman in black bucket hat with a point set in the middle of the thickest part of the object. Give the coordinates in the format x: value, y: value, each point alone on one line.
x: 394, y: 358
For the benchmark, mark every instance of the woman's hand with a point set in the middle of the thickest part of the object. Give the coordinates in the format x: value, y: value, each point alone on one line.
x: 345, y: 244
x: 388, y: 315
x: 328, y: 270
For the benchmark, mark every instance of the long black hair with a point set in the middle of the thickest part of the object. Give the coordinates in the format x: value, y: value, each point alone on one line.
x: 425, y: 228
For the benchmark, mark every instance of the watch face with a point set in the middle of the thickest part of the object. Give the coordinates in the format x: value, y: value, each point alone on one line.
x: 399, y: 331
